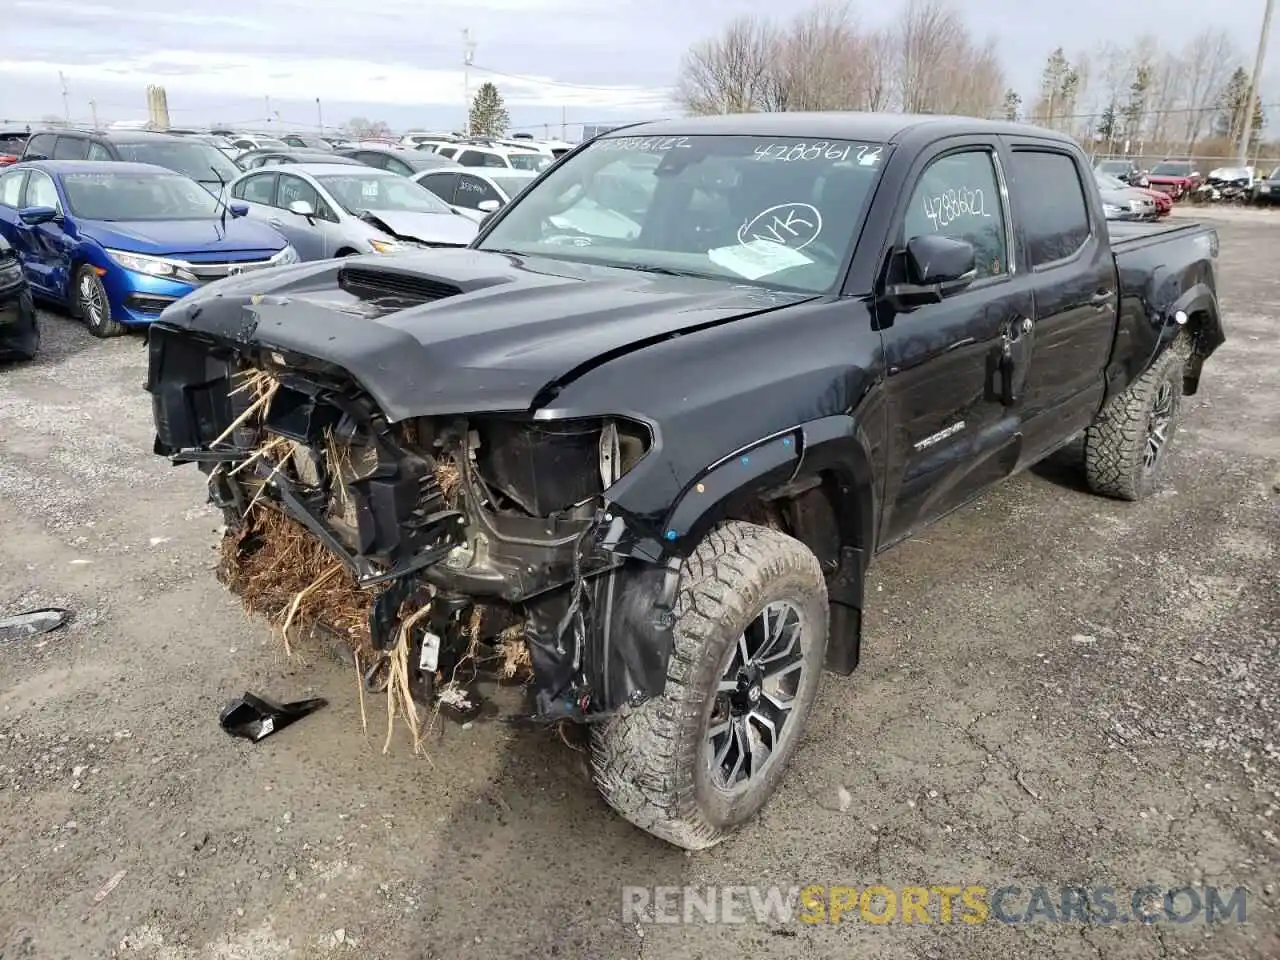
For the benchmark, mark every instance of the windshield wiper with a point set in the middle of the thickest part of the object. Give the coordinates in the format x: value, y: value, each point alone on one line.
x: 662, y: 271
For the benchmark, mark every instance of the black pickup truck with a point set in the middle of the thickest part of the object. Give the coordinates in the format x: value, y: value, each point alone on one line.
x: 665, y: 409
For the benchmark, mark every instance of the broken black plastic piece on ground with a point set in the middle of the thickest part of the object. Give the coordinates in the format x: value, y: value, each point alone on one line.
x: 255, y: 718
x: 32, y: 623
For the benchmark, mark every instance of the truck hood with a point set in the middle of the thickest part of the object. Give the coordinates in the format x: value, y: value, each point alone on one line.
x: 170, y: 238
x: 433, y: 228
x: 462, y: 331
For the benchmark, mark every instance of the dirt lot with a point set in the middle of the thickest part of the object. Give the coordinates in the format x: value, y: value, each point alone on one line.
x: 1056, y: 690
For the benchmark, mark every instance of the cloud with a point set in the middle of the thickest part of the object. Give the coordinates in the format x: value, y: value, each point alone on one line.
x: 245, y: 78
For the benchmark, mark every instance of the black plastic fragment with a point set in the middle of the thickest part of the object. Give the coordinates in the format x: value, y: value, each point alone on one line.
x: 32, y: 623
x: 255, y: 718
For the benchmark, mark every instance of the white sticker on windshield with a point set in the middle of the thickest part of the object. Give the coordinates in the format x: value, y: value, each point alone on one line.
x: 369, y: 188
x: 758, y: 258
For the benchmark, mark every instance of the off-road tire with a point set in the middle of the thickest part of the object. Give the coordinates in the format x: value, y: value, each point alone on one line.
x: 1116, y: 442
x: 100, y: 323
x: 648, y: 761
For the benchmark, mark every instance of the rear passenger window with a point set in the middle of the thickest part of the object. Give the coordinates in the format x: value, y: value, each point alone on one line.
x: 39, y: 147
x: 257, y: 189
x: 1056, y: 218
x: 98, y: 152
x: 958, y: 197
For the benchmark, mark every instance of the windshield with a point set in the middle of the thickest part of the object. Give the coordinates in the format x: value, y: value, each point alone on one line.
x: 356, y: 192
x: 511, y: 185
x: 190, y: 158
x: 1169, y: 169
x: 137, y: 196
x: 1108, y: 182
x: 775, y: 211
x: 528, y: 161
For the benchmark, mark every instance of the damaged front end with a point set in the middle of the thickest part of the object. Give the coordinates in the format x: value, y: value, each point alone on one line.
x: 474, y: 538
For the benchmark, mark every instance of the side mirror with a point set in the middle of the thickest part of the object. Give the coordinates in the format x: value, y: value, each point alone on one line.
x: 35, y: 215
x: 488, y: 206
x: 302, y: 208
x: 935, y: 267
x: 934, y: 260
x: 238, y: 208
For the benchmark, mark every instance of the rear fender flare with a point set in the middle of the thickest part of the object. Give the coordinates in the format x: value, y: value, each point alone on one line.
x: 1198, y: 306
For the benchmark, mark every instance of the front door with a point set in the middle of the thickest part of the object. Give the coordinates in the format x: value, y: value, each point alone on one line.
x: 954, y: 427
x: 45, y: 248
x: 306, y: 234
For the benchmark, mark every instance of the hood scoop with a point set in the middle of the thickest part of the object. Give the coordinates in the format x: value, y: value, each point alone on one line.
x: 404, y: 290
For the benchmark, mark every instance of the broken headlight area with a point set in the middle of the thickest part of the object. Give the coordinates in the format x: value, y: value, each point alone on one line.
x: 458, y: 548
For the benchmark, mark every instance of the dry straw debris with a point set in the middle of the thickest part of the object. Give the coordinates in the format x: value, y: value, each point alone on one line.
x: 282, y: 572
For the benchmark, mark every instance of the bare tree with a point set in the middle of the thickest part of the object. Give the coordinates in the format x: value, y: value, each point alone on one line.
x: 728, y: 73
x: 1208, y: 60
x: 814, y: 66
x: 877, y: 57
x: 1166, y: 97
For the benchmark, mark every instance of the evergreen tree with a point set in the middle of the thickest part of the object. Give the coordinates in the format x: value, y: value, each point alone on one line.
x: 488, y: 114
x: 1012, y: 103
x: 1231, y: 106
x: 1108, y: 125
x: 1134, y: 111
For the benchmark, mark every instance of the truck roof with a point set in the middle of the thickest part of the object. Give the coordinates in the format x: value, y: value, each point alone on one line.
x: 875, y: 127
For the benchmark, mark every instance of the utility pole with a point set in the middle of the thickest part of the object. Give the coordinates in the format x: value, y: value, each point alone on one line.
x: 93, y: 108
x: 268, y: 100
x: 66, y: 102
x: 468, y: 52
x: 319, y: 117
x: 1246, y: 128
x: 564, y: 121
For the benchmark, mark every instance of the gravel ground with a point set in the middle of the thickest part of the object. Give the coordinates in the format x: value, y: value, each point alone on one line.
x: 1056, y: 690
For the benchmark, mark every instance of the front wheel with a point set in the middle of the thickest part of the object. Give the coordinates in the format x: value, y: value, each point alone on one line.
x: 92, y: 306
x: 699, y: 761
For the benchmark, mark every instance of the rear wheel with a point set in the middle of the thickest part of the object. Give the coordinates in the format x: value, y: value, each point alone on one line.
x: 702, y: 759
x: 90, y: 303
x: 1124, y: 449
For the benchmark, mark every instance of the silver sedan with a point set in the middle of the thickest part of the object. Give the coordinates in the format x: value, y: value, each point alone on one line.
x: 335, y: 210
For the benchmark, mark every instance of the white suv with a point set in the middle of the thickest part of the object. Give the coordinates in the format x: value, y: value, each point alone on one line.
x: 509, y: 158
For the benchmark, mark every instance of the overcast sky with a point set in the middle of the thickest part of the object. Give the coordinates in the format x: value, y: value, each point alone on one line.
x: 400, y: 60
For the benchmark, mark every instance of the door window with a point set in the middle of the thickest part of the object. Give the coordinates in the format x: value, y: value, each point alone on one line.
x: 446, y: 151
x: 41, y: 192
x: 398, y: 166
x: 257, y: 189
x: 71, y: 148
x: 293, y: 188
x: 11, y: 188
x: 39, y: 147
x: 472, y: 191
x: 1056, y: 218
x: 441, y: 184
x: 97, y: 151
x: 958, y: 196
x: 373, y: 159
x: 476, y: 158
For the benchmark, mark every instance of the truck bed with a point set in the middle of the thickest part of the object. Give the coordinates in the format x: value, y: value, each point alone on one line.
x: 1127, y: 236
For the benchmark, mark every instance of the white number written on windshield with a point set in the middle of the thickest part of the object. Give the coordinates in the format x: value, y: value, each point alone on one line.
x: 820, y: 150
x: 644, y: 144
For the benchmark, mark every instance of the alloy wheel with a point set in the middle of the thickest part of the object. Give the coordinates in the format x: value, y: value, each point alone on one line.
x: 755, y: 696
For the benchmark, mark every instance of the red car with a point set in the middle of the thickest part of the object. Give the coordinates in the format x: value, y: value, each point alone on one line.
x: 1176, y: 178
x: 1164, y: 203
x: 12, y: 143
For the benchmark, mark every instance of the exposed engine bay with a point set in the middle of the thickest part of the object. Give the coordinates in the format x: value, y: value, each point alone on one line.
x: 445, y: 523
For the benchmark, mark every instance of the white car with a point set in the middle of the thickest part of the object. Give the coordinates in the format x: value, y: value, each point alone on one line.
x: 476, y: 193
x: 257, y: 141
x: 508, y: 158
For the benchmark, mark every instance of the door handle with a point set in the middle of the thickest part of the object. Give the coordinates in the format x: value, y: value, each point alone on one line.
x: 275, y: 223
x: 1102, y: 298
x: 1015, y: 329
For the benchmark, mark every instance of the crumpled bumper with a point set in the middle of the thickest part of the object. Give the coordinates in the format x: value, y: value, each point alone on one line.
x: 19, y: 326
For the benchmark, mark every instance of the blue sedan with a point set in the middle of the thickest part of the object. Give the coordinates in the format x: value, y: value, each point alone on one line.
x: 118, y: 242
